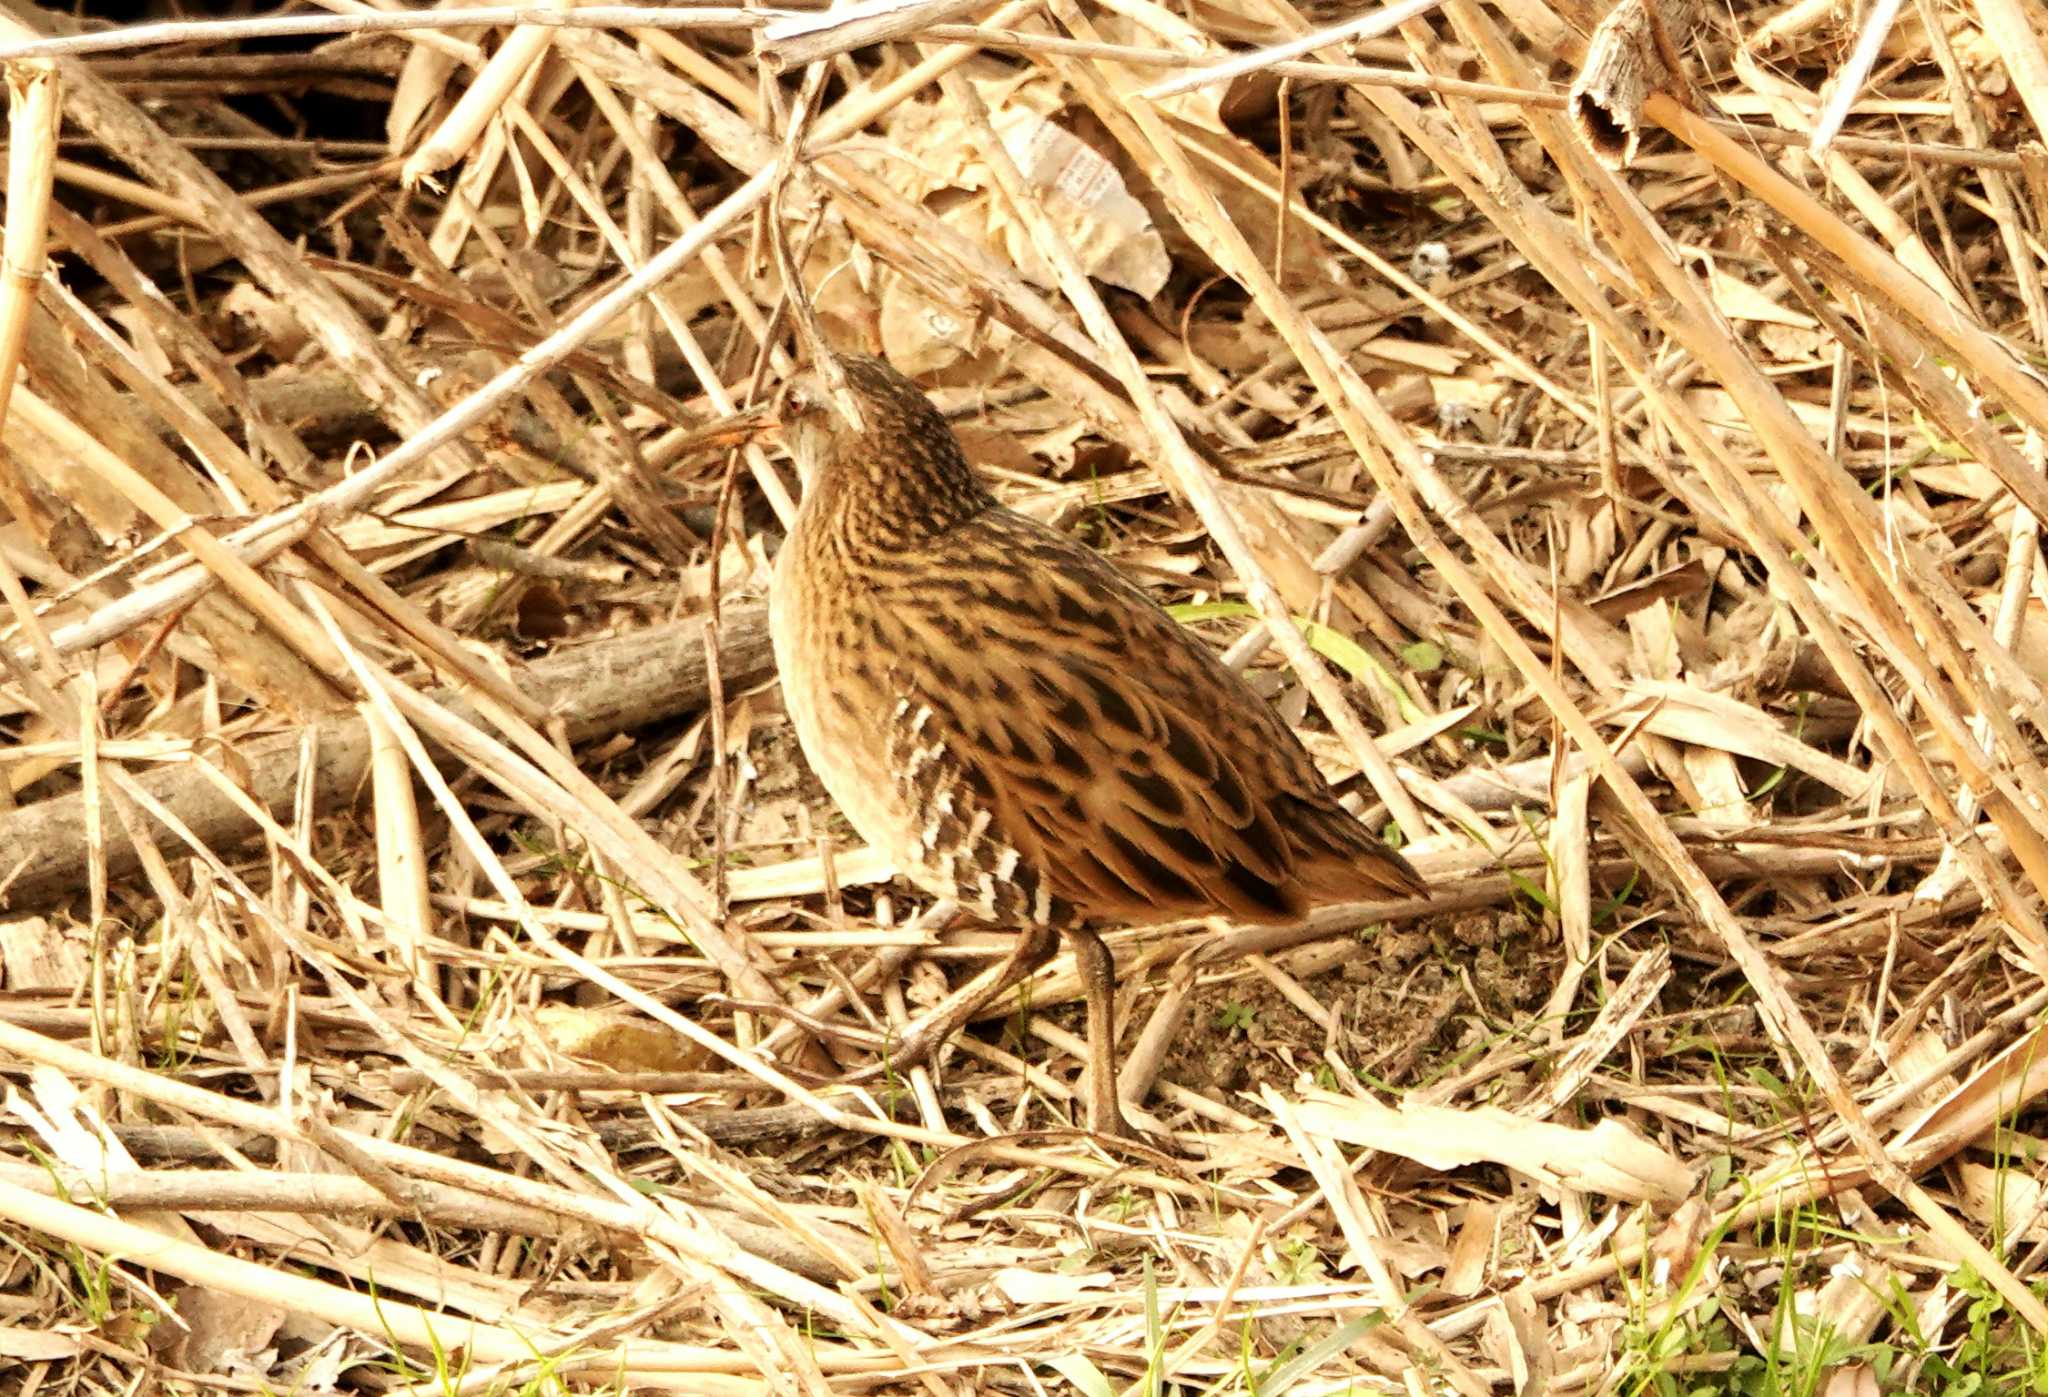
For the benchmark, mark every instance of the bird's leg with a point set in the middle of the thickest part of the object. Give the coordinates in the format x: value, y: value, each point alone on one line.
x: 1034, y: 948
x: 1098, y: 982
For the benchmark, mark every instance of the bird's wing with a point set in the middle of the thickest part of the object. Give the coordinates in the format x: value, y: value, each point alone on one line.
x: 1106, y: 746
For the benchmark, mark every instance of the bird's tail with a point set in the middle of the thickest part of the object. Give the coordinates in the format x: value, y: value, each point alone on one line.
x: 1338, y: 859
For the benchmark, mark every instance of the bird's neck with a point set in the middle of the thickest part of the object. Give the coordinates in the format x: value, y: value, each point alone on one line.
x: 886, y: 502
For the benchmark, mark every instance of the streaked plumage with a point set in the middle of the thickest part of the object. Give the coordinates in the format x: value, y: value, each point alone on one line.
x: 1020, y: 728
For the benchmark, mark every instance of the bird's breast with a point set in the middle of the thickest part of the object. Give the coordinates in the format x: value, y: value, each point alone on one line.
x: 834, y: 687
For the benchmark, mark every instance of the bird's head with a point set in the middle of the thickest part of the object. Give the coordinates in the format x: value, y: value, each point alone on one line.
x: 874, y: 448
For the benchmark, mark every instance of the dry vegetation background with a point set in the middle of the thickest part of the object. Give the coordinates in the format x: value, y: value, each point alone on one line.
x: 429, y: 967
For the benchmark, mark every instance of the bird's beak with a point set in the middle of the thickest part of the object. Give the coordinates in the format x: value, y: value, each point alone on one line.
x: 734, y: 429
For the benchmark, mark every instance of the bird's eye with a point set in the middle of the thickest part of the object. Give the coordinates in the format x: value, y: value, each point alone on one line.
x: 800, y: 397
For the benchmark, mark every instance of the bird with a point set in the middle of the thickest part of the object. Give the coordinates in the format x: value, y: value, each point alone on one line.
x: 1022, y: 729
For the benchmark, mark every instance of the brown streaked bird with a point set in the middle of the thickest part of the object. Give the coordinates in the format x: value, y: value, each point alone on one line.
x: 1021, y: 729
